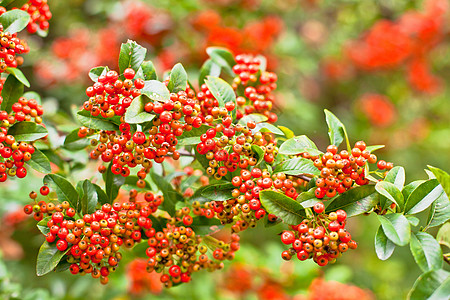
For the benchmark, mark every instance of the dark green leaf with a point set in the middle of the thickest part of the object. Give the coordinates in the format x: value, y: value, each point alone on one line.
x: 259, y: 154
x: 74, y: 142
x: 98, y: 122
x: 171, y: 197
x: 391, y: 192
x: 308, y: 198
x: 178, y: 79
x: 423, y: 196
x: 192, y: 137
x: 156, y: 90
x: 14, y: 20
x: 396, y: 227
x: 42, y: 225
x: 336, y: 130
x: 443, y: 178
x: 209, y: 68
x: 396, y: 176
x: 217, y: 192
x: 101, y: 195
x: 426, y: 251
x: 94, y: 73
x: 299, y: 144
x: 63, y: 188
x: 136, y: 114
x: 89, y: 197
x: 112, y: 184
x: 205, y: 226
x: 132, y: 180
x: 383, y: 246
x: 289, y: 210
x: 19, y: 76
x: 11, y: 92
x: 355, y: 201
x: 131, y: 56
x: 258, y: 118
x: 223, y: 58
x: 297, y: 166
x: 267, y: 127
x: 431, y: 285
x: 27, y: 131
x: 40, y: 162
x: 148, y: 71
x: 221, y: 90
x: 48, y: 258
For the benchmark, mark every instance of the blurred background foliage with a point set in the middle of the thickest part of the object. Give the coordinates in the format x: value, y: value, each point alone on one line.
x: 380, y: 66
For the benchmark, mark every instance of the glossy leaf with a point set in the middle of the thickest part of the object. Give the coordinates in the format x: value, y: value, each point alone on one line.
x: 267, y: 127
x: 336, y: 129
x: 297, y: 166
x: 355, y: 201
x: 94, y: 73
x: 42, y: 225
x: 426, y: 251
x: 27, y: 131
x: 178, y: 79
x: 308, y: 198
x: 209, y: 68
x: 221, y: 90
x: 287, y: 132
x: 258, y: 118
x: 396, y: 227
x: 14, y: 20
x: 74, y: 142
x: 171, y: 197
x: 89, y: 197
x: 48, y: 258
x: 40, y: 162
x: 430, y: 285
x: 383, y: 246
x: 223, y: 58
x: 391, y: 192
x: 396, y: 176
x: 156, y: 90
x: 413, y: 220
x: 19, y: 76
x: 135, y: 113
x: 374, y: 148
x: 131, y: 56
x: 410, y: 187
x: 259, y: 154
x: 423, y: 196
x: 63, y: 188
x: 299, y: 144
x: 217, y: 192
x: 443, y: 178
x: 112, y: 184
x: 289, y: 210
x: 192, y: 137
x: 148, y: 71
x: 98, y: 122
x: 11, y: 92
x: 439, y: 211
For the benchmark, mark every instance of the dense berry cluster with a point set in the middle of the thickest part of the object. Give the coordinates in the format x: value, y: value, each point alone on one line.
x: 10, y: 46
x: 14, y: 153
x: 322, y: 238
x: 341, y: 171
x: 39, y: 15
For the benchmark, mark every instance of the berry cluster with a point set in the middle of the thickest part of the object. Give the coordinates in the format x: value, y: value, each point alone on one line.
x: 257, y: 86
x: 340, y: 171
x: 323, y: 238
x: 92, y: 242
x: 10, y: 46
x: 39, y: 15
x: 13, y: 153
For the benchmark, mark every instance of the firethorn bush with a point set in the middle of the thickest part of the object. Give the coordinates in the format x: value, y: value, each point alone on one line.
x: 179, y: 161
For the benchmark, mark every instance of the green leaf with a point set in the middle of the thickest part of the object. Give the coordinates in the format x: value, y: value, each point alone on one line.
x: 131, y: 182
x: 135, y: 113
x: 383, y: 246
x: 423, y: 196
x: 396, y: 176
x: 98, y: 122
x: 267, y: 127
x: 426, y: 251
x: 14, y: 20
x: 39, y: 162
x: 101, y: 195
x: 258, y: 118
x: 27, y: 131
x: 192, y: 137
x: 289, y: 210
x: 443, y: 235
x: 131, y: 56
x: 217, y: 192
x: 299, y: 144
x: 11, y: 92
x: 19, y: 75
x: 33, y: 95
x: 391, y: 192
x: 430, y: 285
x: 259, y: 154
x: 63, y: 188
x: 42, y: 225
x: 308, y: 198
x: 287, y: 132
x: 209, y: 68
x: 374, y: 148
x: 221, y: 90
x: 413, y: 220
x: 439, y: 211
x: 48, y: 258
x: 74, y: 142
x: 112, y: 184
x: 156, y: 90
x: 171, y: 197
x: 355, y: 201
x: 410, y: 187
x: 178, y: 79
x: 297, y: 166
x: 223, y: 58
x: 89, y: 197
x: 94, y: 73
x: 396, y: 227
x: 443, y: 178
x: 336, y: 130
x: 148, y: 71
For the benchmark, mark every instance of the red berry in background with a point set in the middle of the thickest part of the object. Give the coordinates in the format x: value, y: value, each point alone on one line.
x: 287, y: 237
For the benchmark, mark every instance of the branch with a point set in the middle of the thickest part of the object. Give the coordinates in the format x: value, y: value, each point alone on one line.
x: 302, y: 176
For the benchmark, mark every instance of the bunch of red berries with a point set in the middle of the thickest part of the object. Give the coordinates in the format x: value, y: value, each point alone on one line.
x: 40, y: 14
x: 323, y: 238
x: 341, y: 171
x: 10, y: 46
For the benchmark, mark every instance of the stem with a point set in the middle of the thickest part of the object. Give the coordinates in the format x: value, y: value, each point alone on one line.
x: 186, y: 153
x: 302, y: 176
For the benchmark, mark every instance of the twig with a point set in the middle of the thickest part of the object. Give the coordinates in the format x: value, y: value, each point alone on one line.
x: 302, y: 176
